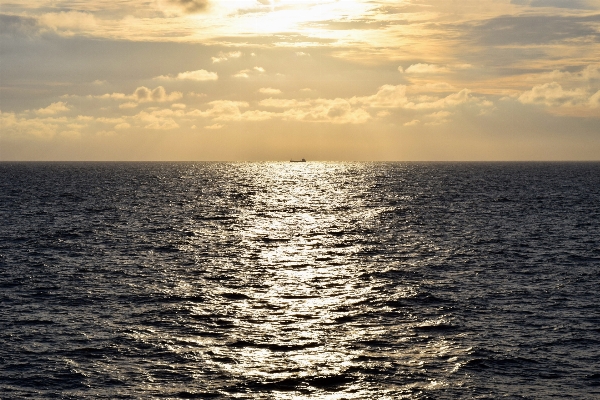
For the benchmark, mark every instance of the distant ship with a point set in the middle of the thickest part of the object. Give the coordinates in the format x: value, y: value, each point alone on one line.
x: 303, y: 160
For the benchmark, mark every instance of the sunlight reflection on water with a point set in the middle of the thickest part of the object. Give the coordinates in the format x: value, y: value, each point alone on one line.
x: 298, y: 280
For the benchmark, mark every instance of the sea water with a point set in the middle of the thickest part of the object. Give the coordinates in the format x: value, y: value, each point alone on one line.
x: 300, y: 280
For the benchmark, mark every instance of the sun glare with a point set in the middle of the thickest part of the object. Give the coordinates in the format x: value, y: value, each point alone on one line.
x: 282, y: 16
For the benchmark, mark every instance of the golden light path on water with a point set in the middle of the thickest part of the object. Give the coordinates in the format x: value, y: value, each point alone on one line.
x: 299, y: 281
x: 298, y: 296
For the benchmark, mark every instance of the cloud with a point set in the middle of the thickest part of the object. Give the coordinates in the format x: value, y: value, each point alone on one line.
x: 591, y: 72
x: 338, y: 111
x: 222, y: 110
x: 53, y: 108
x: 572, y: 4
x: 143, y: 95
x: 388, y: 96
x: 438, y: 118
x: 412, y: 123
x: 453, y: 100
x: 284, y: 103
x: 198, y: 75
x: 270, y: 91
x: 440, y: 115
x: 14, y: 25
x: 226, y: 56
x: 159, y: 94
x: 105, y: 120
x: 158, y: 119
x: 68, y: 22
x: 242, y: 74
x: 191, y: 6
x: 535, y: 29
x: 595, y: 100
x: 431, y: 87
x: 553, y: 95
x: 245, y: 73
x: 123, y: 125
x: 42, y: 128
x: 424, y: 69
x: 214, y: 126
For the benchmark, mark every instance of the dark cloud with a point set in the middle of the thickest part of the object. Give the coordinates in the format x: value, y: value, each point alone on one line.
x: 537, y: 29
x: 13, y: 25
x: 192, y: 6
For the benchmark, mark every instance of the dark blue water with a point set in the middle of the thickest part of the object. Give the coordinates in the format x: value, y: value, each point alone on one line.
x: 304, y: 280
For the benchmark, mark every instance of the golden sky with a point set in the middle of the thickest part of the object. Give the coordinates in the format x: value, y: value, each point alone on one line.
x: 281, y: 79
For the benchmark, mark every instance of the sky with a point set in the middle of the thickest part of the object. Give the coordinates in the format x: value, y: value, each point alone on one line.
x: 218, y: 80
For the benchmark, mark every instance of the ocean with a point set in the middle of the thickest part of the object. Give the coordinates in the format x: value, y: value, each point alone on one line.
x: 316, y: 280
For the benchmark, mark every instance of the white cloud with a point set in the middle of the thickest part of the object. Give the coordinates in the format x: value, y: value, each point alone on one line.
x: 270, y: 91
x: 337, y: 111
x: 430, y: 87
x: 245, y: 73
x: 116, y: 96
x: 242, y: 74
x: 388, y: 96
x: 157, y: 120
x: 553, y: 95
x: 318, y: 110
x: 53, y: 108
x: 222, y: 110
x: 143, y: 95
x: 68, y: 22
x: 425, y: 69
x: 226, y: 56
x: 198, y: 75
x: 284, y: 103
x: 412, y: 123
x: 42, y: 128
x: 105, y: 120
x: 455, y: 99
x: 591, y: 72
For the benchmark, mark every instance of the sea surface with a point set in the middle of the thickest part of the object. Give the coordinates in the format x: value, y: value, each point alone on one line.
x: 300, y: 280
